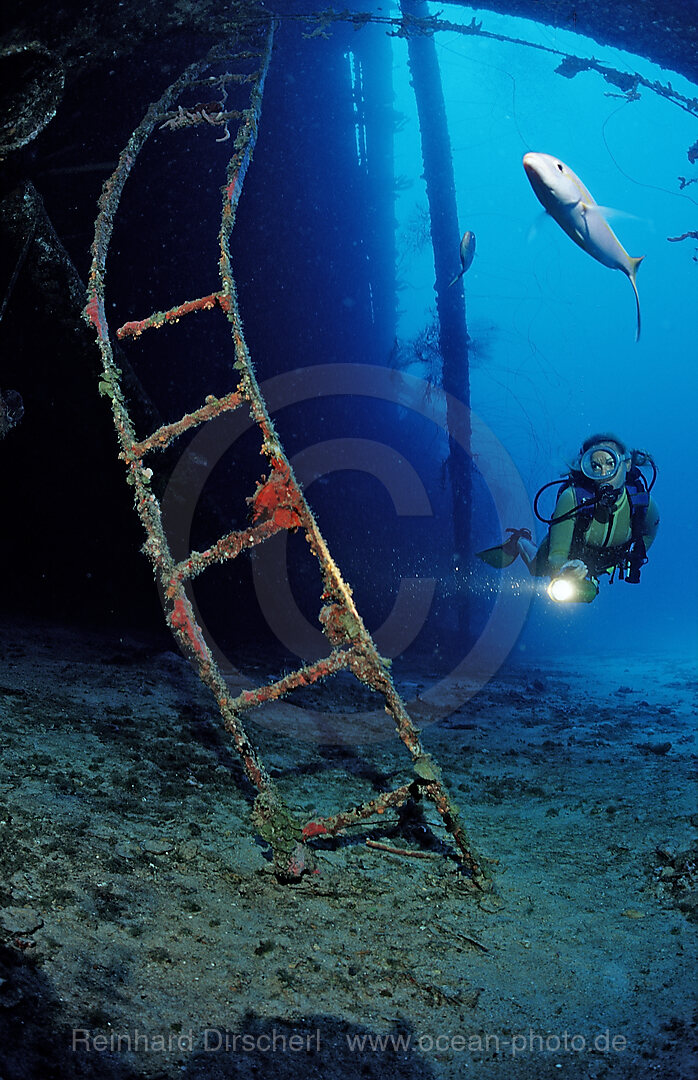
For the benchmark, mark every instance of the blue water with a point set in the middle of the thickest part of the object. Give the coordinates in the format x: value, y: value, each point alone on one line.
x: 553, y: 355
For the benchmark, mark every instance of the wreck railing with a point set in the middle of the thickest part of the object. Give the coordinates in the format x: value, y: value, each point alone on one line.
x: 277, y: 504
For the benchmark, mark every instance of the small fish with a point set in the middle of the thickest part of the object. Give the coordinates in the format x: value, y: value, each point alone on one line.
x: 467, y: 253
x: 566, y: 199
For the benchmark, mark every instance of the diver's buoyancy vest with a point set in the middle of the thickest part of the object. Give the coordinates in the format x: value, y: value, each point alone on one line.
x: 633, y: 554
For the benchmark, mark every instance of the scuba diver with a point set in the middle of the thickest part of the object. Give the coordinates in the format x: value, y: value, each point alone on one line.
x: 604, y: 521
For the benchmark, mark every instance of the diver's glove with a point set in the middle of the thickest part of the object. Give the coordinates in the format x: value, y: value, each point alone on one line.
x: 574, y: 568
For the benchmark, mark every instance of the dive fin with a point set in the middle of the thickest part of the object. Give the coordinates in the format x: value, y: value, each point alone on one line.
x: 505, y: 554
x: 499, y: 556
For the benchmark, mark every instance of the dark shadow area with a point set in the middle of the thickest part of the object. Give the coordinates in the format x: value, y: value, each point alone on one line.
x: 36, y: 1045
x: 322, y: 1048
x: 33, y: 1042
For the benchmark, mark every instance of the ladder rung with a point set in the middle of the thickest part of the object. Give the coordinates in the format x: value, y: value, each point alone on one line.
x: 159, y: 318
x: 305, y: 676
x: 228, y: 547
x: 166, y: 434
x: 332, y: 825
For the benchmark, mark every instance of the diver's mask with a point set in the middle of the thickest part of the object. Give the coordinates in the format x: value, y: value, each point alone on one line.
x: 601, y: 463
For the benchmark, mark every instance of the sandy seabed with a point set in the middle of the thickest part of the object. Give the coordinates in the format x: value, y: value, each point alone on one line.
x: 143, y: 933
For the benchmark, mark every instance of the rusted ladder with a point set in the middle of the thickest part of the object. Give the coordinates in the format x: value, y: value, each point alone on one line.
x: 277, y: 504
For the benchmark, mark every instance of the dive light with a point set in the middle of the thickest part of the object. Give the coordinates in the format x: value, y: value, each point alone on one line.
x: 567, y: 589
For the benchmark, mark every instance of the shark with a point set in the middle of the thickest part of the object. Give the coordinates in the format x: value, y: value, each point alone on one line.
x: 568, y: 201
